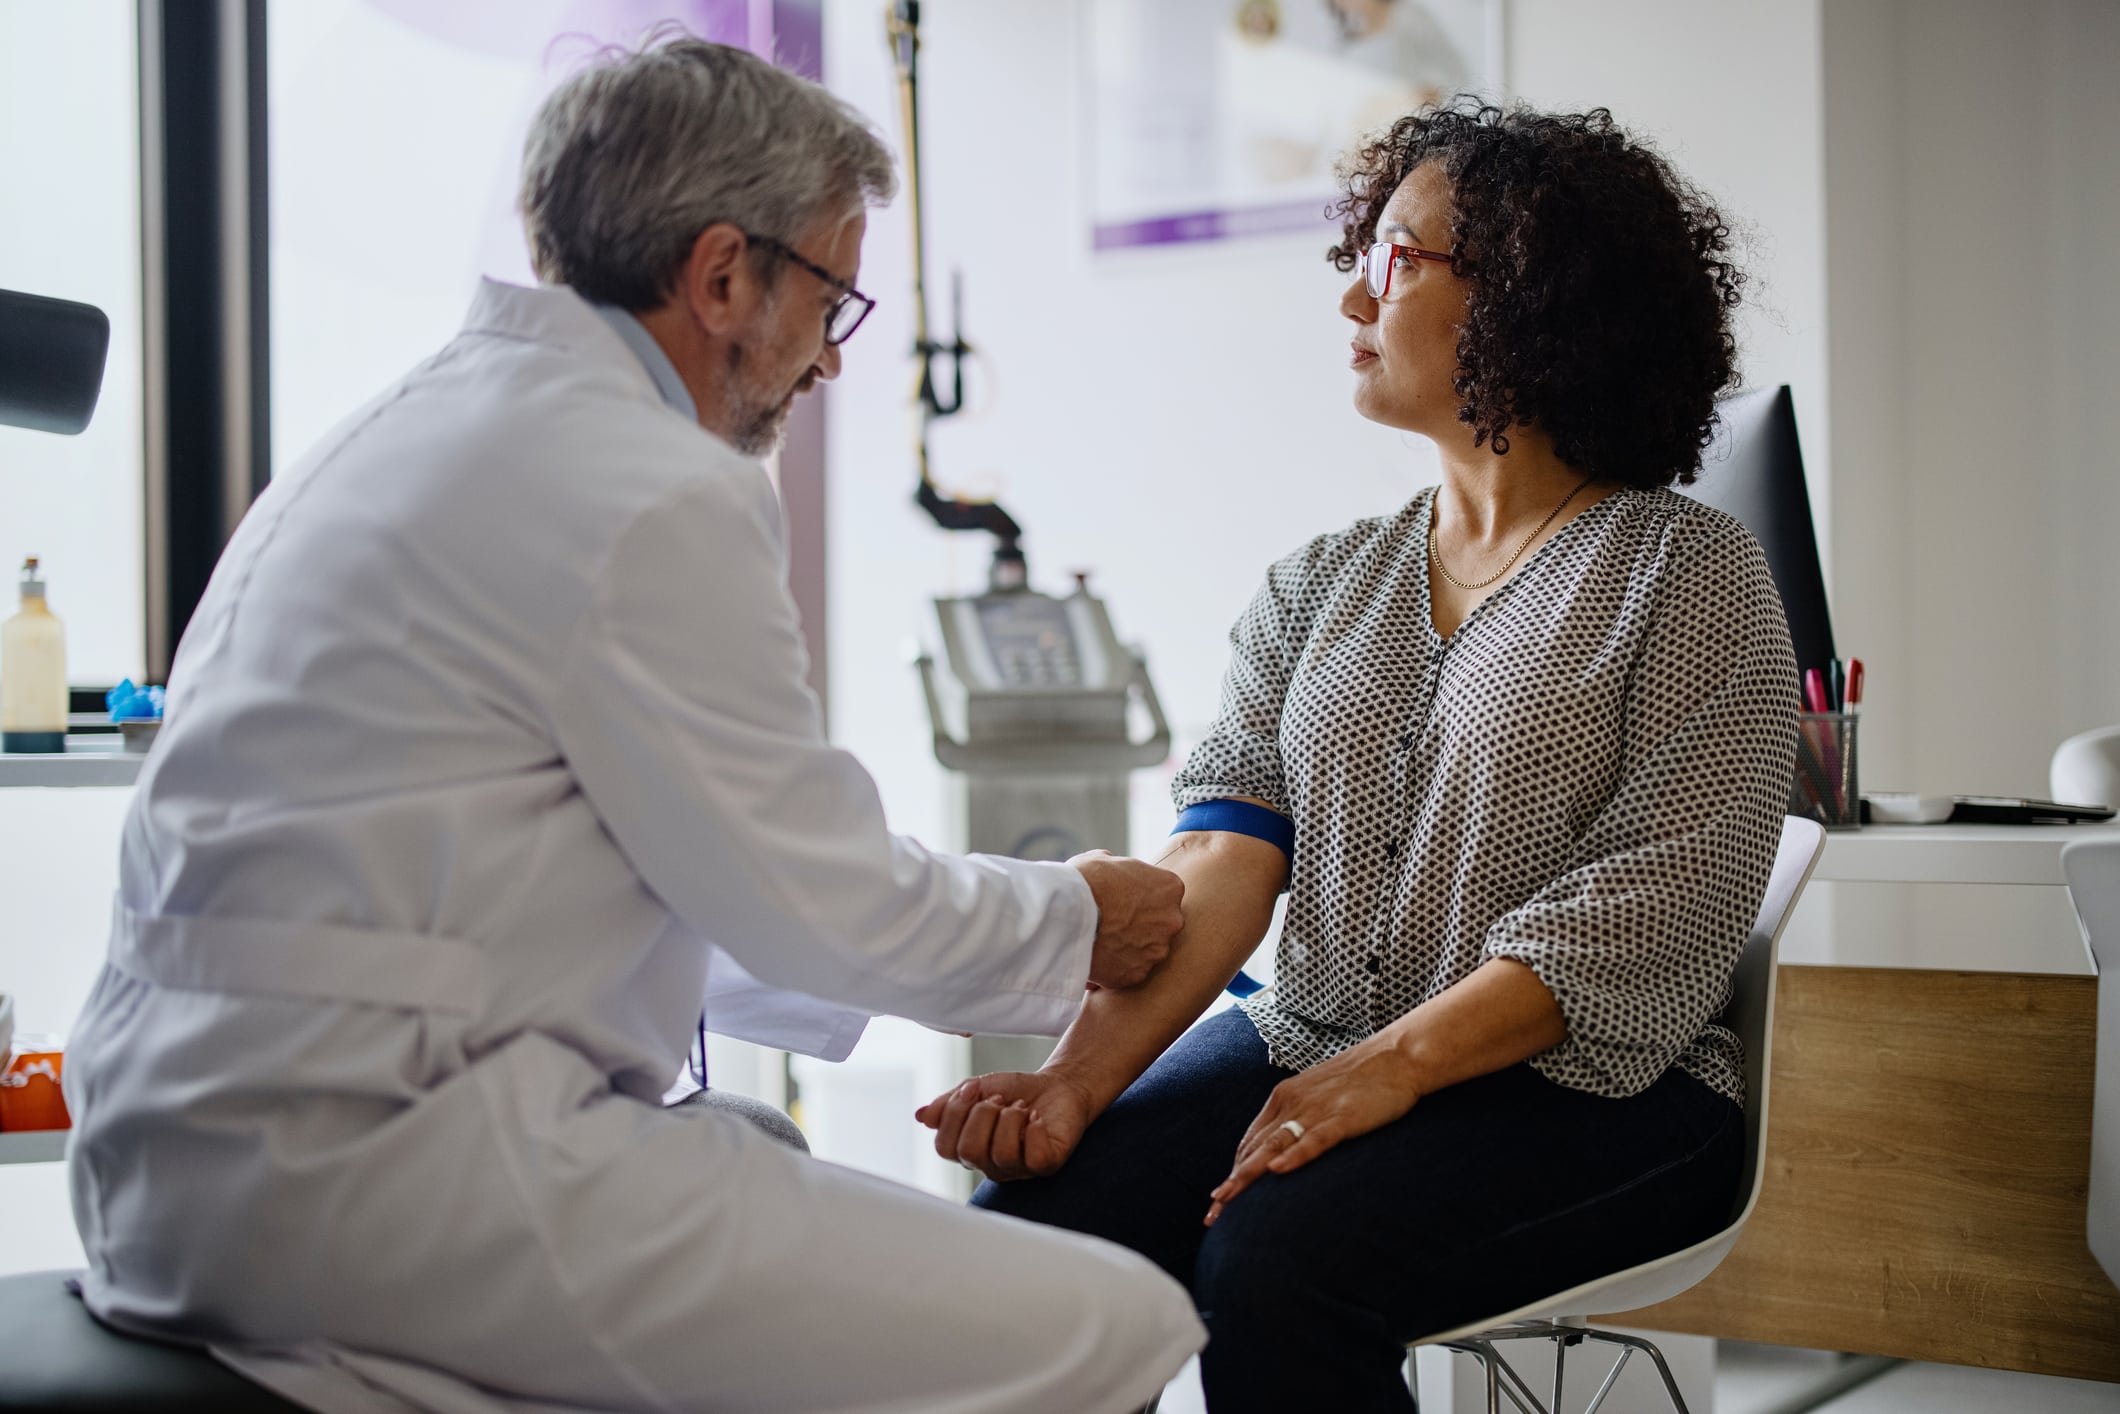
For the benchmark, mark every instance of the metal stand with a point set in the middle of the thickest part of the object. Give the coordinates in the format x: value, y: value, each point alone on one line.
x: 1503, y: 1379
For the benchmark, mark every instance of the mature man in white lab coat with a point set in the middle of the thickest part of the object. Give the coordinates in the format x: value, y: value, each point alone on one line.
x: 491, y: 720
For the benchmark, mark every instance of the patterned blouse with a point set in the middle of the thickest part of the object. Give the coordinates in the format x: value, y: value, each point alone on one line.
x: 1588, y: 776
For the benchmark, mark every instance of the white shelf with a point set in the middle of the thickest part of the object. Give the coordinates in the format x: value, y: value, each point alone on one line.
x: 1953, y: 854
x: 34, y: 1146
x: 87, y: 761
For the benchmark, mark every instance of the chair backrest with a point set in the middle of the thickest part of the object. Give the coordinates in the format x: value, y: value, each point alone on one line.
x: 2092, y: 868
x: 1751, y: 1010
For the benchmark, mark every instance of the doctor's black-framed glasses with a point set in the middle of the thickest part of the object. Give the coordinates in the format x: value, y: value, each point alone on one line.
x: 852, y: 307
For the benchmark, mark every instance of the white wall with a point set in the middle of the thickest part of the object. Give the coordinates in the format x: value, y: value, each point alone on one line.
x: 1975, y: 191
x: 1972, y: 193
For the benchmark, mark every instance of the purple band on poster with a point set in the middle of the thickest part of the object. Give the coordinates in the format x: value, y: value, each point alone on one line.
x: 1295, y: 217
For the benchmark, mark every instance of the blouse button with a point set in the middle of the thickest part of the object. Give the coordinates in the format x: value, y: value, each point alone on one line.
x: 1405, y: 741
x: 1374, y: 964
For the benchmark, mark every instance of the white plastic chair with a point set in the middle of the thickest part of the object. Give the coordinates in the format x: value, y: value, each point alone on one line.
x: 2092, y: 868
x: 1562, y: 1317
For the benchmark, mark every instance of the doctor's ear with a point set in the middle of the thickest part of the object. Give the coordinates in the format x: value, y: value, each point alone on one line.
x: 719, y: 281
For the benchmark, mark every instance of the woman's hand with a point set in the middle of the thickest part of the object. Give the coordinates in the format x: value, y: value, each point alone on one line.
x: 1009, y: 1124
x: 1362, y: 1088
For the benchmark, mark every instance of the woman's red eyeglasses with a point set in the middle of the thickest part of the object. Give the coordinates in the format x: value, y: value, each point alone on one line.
x: 1379, y: 258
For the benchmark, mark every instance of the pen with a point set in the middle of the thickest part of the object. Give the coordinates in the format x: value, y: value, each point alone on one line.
x: 1854, y: 684
x: 1837, y: 685
x: 1814, y: 690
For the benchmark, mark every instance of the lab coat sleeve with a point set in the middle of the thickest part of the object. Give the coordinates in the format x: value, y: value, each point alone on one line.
x: 682, y: 709
x: 746, y: 1009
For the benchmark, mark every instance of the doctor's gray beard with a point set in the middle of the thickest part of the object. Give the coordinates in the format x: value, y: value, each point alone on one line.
x: 755, y: 419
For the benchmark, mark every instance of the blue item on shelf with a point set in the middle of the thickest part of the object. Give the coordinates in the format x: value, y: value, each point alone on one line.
x: 131, y: 703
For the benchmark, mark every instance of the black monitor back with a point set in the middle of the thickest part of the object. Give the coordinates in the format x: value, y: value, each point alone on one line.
x: 1754, y: 471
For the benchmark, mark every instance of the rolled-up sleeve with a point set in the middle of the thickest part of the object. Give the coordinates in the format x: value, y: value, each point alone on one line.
x: 1638, y: 938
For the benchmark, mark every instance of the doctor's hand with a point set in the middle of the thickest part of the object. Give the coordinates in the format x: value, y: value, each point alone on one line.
x: 1009, y: 1124
x: 1138, y: 913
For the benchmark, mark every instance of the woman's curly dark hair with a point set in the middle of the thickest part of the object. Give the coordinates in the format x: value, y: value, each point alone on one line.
x: 1602, y: 282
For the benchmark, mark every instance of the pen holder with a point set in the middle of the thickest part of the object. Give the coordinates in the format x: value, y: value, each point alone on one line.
x: 1826, y: 788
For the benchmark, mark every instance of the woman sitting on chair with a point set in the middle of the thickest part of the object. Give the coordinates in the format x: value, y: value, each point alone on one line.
x: 1518, y: 753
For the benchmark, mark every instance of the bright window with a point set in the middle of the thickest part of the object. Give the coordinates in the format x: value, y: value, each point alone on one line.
x: 70, y: 227
x: 395, y: 132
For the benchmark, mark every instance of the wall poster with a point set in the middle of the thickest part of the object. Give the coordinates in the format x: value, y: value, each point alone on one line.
x: 1216, y: 119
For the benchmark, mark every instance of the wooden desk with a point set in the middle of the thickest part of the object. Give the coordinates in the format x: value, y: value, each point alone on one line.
x: 1928, y: 1149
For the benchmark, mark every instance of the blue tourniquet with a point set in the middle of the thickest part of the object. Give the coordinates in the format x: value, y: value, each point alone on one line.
x: 1240, y: 817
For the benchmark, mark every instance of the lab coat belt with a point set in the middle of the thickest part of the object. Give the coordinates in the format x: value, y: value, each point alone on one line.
x: 311, y: 961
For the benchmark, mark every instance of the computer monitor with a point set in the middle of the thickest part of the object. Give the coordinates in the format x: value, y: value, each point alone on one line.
x: 1754, y: 471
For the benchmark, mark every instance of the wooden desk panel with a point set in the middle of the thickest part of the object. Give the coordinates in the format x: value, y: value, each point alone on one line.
x: 1928, y: 1155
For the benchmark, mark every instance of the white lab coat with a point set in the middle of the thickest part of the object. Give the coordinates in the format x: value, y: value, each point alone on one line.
x: 492, y: 716
x: 741, y: 1006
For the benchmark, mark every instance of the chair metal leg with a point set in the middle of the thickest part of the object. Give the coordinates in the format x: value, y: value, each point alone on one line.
x: 1519, y: 1390
x: 1635, y: 1342
x: 1597, y: 1401
x: 1502, y: 1375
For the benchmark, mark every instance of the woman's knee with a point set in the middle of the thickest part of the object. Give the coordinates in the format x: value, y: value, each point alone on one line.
x: 1269, y: 1239
x: 1018, y: 1199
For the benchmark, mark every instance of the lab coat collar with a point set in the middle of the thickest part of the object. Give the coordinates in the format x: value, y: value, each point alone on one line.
x: 651, y: 355
x: 556, y: 315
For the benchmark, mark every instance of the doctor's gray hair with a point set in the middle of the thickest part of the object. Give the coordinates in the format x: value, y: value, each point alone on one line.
x: 629, y: 160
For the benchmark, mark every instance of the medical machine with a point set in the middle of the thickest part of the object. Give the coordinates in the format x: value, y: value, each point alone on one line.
x: 1040, y: 767
x: 1041, y: 689
x: 1046, y: 691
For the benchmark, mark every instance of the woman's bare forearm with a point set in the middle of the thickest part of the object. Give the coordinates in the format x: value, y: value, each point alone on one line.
x: 1231, y: 882
x: 1499, y: 1015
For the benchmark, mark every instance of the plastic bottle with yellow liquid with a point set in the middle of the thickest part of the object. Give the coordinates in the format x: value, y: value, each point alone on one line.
x: 33, y: 672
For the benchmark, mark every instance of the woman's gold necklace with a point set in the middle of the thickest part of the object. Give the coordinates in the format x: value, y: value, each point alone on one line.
x: 1437, y: 555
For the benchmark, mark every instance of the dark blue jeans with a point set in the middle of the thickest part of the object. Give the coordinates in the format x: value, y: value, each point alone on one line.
x: 1484, y: 1196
